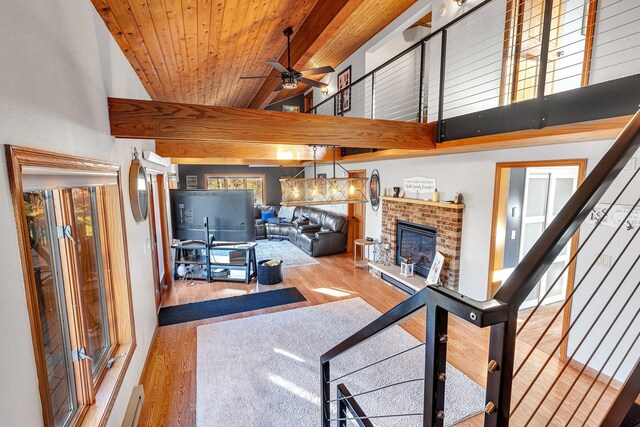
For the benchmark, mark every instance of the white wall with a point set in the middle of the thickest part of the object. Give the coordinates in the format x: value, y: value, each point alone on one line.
x: 391, y: 99
x: 59, y: 64
x: 473, y: 175
x: 599, y: 291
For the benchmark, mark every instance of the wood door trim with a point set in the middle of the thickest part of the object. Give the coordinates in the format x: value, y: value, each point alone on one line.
x: 491, y: 287
x: 356, y: 173
x: 590, y: 36
x: 164, y: 225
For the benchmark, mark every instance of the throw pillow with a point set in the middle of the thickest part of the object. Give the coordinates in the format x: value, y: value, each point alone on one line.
x: 267, y: 215
x: 286, y: 213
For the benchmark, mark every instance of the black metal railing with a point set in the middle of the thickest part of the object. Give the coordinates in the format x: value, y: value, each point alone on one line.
x: 600, y: 372
x: 495, y: 69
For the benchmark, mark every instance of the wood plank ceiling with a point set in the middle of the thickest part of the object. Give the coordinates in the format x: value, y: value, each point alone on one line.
x: 194, y: 51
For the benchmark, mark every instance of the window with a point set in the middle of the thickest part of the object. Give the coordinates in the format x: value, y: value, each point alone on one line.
x: 239, y: 182
x: 570, y: 44
x: 71, y: 230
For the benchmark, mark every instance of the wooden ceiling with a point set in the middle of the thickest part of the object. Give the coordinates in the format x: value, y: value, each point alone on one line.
x: 194, y: 51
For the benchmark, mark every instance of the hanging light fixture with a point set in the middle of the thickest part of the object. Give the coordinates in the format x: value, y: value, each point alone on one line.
x: 322, y: 191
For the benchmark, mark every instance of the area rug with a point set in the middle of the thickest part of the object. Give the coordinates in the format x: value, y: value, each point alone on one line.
x: 224, y: 306
x: 290, y: 254
x: 265, y: 370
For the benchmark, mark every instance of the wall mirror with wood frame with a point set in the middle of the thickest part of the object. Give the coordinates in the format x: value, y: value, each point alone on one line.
x: 74, y: 258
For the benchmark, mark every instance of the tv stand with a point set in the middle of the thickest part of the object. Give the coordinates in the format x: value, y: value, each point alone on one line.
x: 236, y: 264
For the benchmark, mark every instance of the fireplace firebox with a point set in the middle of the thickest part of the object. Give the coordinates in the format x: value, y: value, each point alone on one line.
x: 417, y: 242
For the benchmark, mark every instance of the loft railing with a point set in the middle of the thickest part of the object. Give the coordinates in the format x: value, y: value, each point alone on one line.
x: 597, y: 379
x: 506, y: 66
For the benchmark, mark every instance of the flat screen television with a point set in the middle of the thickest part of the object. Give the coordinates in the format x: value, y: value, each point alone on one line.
x: 230, y: 214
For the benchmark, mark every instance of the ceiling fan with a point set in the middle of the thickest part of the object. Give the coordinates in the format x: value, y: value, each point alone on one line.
x: 289, y: 76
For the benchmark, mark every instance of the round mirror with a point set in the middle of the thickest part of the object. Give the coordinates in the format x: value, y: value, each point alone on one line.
x: 138, y: 192
x: 374, y: 189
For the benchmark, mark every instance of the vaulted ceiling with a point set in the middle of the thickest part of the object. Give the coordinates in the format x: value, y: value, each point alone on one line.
x: 194, y: 51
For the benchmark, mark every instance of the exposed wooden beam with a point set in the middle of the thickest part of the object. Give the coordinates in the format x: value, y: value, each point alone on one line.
x: 233, y: 150
x: 227, y: 161
x: 165, y: 120
x: 563, y: 134
x: 326, y: 17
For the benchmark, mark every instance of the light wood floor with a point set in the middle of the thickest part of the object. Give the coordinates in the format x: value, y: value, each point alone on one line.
x: 169, y: 377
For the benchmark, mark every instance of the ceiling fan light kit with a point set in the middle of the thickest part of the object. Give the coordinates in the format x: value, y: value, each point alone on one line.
x: 290, y: 78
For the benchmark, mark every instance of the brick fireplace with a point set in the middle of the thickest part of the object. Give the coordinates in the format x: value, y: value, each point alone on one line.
x: 446, y: 218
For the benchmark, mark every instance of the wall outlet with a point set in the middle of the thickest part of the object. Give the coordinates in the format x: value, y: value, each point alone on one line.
x: 604, y: 261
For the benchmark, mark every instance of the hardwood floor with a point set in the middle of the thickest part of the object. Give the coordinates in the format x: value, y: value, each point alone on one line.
x: 169, y: 377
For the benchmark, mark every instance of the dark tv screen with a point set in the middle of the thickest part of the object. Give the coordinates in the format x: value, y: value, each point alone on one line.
x: 230, y: 214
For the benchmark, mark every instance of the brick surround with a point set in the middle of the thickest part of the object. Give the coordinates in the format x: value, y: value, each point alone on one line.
x: 447, y: 220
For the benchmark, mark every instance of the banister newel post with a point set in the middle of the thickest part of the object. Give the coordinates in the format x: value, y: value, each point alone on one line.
x: 435, y: 365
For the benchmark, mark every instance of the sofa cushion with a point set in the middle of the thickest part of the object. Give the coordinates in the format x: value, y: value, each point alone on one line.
x: 334, y: 222
x: 316, y: 216
x: 305, y: 241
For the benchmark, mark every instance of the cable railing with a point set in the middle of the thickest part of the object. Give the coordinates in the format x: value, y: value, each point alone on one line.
x: 500, y: 54
x: 568, y: 361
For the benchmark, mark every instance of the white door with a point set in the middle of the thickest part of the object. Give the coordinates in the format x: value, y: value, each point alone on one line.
x: 546, y: 191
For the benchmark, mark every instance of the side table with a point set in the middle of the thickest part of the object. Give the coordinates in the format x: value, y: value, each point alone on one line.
x: 362, y: 262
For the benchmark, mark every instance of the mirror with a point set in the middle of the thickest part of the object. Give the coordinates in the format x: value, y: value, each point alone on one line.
x: 138, y: 192
x: 374, y: 190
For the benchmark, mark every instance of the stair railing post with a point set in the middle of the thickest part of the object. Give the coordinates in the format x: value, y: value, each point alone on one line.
x: 325, y: 404
x: 626, y: 398
x: 421, y: 85
x: 443, y: 70
x: 435, y: 370
x: 502, y: 349
x: 544, y: 59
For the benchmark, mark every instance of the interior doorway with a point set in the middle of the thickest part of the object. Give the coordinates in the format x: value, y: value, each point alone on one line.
x: 527, y: 198
x: 356, y: 215
x: 159, y: 236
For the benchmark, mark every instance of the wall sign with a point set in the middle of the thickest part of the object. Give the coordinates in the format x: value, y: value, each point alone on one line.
x: 419, y: 184
x: 616, y: 216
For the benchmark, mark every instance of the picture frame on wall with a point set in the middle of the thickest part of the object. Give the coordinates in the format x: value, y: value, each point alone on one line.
x: 291, y: 108
x: 343, y: 100
x: 322, y: 176
x: 192, y: 182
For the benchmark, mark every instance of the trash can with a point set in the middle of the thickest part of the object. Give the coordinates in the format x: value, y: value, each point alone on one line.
x: 270, y: 274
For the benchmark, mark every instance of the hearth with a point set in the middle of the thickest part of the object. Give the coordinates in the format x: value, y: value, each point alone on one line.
x: 417, y: 242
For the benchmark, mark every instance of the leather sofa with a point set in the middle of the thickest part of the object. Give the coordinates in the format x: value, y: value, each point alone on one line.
x: 317, y: 232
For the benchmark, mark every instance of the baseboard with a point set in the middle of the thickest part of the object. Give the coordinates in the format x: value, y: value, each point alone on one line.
x: 593, y: 374
x: 146, y: 359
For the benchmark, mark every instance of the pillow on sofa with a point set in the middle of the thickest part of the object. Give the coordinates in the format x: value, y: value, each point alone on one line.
x: 286, y: 213
x: 267, y: 215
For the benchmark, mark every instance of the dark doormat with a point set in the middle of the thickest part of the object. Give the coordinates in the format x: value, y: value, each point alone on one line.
x: 223, y: 306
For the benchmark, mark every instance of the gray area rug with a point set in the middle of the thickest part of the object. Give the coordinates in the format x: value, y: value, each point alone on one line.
x: 284, y: 250
x: 265, y: 370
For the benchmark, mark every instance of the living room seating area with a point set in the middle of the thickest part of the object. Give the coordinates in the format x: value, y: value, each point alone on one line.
x: 315, y: 231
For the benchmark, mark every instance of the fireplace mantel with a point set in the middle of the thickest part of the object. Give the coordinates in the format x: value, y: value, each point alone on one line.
x: 424, y: 202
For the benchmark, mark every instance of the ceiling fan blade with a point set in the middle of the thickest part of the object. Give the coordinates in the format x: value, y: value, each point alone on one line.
x: 319, y: 70
x: 261, y: 77
x: 312, y: 82
x: 278, y: 66
x: 278, y: 88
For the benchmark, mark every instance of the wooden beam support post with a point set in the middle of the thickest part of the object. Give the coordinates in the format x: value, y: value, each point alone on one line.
x: 234, y: 151
x: 166, y: 120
